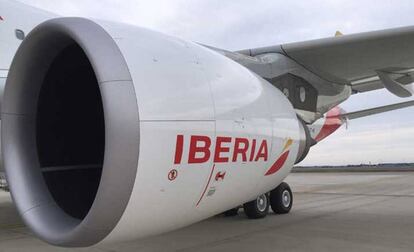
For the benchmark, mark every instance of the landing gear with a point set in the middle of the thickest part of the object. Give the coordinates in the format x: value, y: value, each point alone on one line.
x: 257, y: 208
x: 281, y: 199
x: 231, y: 212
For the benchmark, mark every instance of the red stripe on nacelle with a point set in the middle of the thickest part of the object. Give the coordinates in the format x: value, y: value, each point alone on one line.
x: 278, y: 164
x: 208, y: 183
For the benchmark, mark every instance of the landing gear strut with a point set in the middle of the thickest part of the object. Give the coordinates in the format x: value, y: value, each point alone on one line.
x: 281, y: 199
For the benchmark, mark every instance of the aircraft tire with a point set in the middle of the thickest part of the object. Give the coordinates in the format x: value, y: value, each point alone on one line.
x: 281, y: 199
x: 258, y: 208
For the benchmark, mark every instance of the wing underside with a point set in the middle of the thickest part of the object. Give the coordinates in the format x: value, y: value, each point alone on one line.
x: 356, y: 60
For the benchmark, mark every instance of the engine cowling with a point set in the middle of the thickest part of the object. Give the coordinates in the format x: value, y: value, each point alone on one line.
x: 112, y: 132
x: 306, y: 141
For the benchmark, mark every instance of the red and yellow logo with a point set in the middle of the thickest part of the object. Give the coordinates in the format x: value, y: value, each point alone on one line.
x: 228, y: 149
x: 278, y: 164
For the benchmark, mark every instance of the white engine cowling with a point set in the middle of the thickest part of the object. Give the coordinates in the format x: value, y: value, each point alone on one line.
x: 112, y: 132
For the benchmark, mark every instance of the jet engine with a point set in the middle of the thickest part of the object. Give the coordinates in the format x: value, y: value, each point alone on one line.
x: 112, y: 132
x: 306, y: 141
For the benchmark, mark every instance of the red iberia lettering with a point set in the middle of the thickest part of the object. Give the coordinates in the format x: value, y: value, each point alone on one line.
x: 220, y: 149
x: 196, y: 148
x: 252, y: 151
x: 227, y: 149
x: 262, y: 153
x: 242, y: 150
x: 179, y: 149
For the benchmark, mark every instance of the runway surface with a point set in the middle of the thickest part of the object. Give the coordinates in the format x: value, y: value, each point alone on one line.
x: 331, y: 212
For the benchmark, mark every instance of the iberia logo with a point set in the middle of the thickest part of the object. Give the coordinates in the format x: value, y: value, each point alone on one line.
x: 278, y: 164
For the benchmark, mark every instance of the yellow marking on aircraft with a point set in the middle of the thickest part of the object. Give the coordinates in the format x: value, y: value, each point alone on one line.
x: 288, y: 144
x: 338, y: 33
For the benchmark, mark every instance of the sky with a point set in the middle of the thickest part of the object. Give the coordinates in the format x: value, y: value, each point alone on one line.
x: 241, y: 24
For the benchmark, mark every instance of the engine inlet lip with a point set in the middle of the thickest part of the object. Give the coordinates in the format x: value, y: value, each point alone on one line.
x: 27, y: 186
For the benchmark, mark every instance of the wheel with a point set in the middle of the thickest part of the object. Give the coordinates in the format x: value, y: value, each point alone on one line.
x: 281, y: 199
x: 231, y: 212
x: 257, y: 208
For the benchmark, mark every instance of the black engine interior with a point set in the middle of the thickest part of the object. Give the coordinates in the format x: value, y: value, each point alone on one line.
x: 70, y: 131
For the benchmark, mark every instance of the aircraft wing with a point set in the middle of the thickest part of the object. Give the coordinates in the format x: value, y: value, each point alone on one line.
x: 377, y: 110
x: 365, y: 61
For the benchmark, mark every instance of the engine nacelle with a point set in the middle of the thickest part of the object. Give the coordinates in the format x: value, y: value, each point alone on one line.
x: 112, y: 132
x: 306, y: 141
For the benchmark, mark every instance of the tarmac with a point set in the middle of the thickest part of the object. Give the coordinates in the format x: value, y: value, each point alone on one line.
x: 331, y: 212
